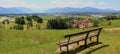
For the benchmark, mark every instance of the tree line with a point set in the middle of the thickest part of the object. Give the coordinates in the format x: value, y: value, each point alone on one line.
x: 112, y: 17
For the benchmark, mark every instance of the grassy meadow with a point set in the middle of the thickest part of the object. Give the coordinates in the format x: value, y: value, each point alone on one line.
x: 43, y: 41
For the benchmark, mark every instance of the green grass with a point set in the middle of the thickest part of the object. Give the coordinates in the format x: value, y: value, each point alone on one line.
x: 38, y: 41
x: 110, y: 44
x: 44, y: 42
x: 114, y: 23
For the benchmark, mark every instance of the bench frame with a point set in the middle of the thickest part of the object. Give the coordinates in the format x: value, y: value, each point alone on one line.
x: 87, y: 32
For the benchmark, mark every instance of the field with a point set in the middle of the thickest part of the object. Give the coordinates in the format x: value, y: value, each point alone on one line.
x: 44, y: 41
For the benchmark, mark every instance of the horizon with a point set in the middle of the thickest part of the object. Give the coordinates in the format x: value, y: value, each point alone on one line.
x: 48, y: 4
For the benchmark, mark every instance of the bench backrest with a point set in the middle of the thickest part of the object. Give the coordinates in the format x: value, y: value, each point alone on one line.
x: 83, y: 32
x: 87, y: 32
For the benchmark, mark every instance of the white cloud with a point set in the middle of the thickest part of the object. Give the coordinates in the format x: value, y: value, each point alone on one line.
x: 62, y: 3
x: 18, y: 3
x: 9, y: 0
x: 77, y: 3
x: 52, y: 4
x: 102, y: 3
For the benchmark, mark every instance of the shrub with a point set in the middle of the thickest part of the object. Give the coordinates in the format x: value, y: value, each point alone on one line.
x: 69, y: 25
x: 10, y: 27
x: 38, y: 26
x: 109, y: 23
x: 95, y: 23
x: 30, y: 24
x: 18, y: 27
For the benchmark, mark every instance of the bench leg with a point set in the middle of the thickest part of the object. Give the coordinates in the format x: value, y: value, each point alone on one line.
x: 60, y: 48
x: 67, y: 48
x: 85, y: 45
x: 97, y: 39
x: 78, y: 43
x: 90, y: 38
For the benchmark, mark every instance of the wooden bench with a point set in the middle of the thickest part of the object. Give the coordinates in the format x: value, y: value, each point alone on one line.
x: 87, y: 34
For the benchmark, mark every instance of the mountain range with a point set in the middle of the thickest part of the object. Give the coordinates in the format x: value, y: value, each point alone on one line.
x: 79, y: 10
x: 22, y: 10
x: 15, y: 10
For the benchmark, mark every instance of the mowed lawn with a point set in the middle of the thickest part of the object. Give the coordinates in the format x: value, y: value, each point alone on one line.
x: 44, y: 42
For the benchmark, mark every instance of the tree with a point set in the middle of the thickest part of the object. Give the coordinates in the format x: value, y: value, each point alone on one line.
x: 5, y: 21
x: 35, y: 17
x: 22, y: 17
x: 19, y: 21
x: 29, y: 18
x: 112, y: 17
x: 38, y: 19
x: 57, y: 23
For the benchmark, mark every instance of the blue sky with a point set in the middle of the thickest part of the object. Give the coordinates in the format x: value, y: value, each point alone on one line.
x: 47, y: 4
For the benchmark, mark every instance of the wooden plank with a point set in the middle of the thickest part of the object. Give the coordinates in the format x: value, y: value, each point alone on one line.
x: 82, y: 32
x: 75, y: 40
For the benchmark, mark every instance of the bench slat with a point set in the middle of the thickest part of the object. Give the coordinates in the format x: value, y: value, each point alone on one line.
x: 82, y: 32
x: 75, y: 40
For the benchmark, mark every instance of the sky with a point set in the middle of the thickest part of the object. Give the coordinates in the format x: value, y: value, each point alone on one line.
x: 47, y: 4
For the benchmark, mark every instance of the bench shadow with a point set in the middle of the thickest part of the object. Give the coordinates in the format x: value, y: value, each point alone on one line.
x: 81, y: 48
x: 90, y: 52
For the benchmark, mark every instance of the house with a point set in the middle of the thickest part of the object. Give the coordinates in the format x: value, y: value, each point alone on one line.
x: 75, y: 23
x: 84, y: 23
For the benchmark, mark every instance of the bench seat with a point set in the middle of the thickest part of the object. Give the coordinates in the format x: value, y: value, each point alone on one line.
x: 64, y: 43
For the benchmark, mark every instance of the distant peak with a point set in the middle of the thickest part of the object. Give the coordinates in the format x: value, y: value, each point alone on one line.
x: 67, y: 7
x: 90, y: 7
